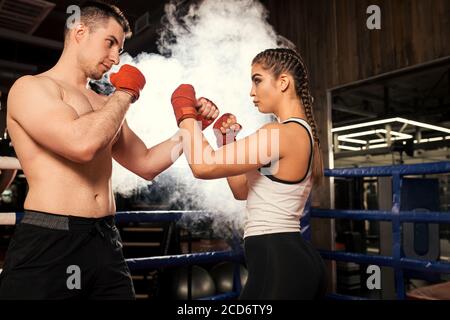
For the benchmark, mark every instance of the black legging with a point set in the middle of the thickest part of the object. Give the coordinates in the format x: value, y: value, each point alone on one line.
x: 283, y: 266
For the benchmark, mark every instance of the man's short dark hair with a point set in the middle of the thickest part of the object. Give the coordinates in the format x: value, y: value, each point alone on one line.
x: 94, y: 12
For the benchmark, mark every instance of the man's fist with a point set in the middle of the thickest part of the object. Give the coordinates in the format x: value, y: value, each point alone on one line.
x: 225, y: 129
x: 207, y: 112
x: 128, y: 79
x: 184, y: 103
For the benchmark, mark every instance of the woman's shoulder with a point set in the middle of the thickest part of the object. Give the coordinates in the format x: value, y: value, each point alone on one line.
x: 288, y: 128
x: 272, y: 125
x: 296, y: 135
x: 298, y: 125
x: 294, y: 129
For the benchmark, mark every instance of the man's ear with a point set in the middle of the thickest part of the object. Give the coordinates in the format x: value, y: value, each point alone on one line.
x: 284, y: 82
x: 80, y: 31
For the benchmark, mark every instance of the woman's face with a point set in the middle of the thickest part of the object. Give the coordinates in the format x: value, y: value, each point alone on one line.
x: 264, y: 89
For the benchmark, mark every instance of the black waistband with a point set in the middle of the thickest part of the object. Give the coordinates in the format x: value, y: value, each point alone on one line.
x: 65, y: 222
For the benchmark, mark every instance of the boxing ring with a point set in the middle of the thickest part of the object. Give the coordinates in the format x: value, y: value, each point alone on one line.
x: 234, y: 255
x: 397, y: 261
x: 169, y: 261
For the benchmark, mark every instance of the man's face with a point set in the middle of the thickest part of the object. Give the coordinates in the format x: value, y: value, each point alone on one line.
x: 100, y: 49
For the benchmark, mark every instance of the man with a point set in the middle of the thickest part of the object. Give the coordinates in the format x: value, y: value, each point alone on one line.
x: 65, y: 136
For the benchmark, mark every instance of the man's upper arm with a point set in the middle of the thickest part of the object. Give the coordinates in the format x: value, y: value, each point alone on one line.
x: 37, y: 106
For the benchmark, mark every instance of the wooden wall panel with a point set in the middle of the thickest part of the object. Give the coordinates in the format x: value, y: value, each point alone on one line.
x: 333, y: 33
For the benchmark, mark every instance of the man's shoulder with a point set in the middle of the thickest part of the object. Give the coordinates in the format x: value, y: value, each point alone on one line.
x: 27, y: 91
x: 23, y: 82
x: 33, y: 83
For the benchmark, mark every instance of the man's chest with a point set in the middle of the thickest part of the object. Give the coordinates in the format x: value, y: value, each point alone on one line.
x: 85, y: 101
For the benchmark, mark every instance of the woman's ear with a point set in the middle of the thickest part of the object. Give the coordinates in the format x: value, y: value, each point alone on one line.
x: 284, y: 82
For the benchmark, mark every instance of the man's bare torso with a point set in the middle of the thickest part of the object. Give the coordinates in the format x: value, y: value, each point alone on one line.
x: 58, y: 185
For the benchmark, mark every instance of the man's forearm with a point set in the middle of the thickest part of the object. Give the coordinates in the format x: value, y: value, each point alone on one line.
x: 99, y: 128
x: 162, y: 156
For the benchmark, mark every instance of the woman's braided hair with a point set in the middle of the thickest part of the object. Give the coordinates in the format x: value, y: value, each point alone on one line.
x: 287, y: 60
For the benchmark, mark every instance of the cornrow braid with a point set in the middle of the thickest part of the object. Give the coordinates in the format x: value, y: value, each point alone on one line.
x: 281, y: 60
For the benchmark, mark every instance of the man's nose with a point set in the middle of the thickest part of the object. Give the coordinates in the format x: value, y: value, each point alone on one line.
x: 115, y: 58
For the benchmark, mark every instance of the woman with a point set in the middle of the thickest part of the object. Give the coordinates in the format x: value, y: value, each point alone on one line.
x: 273, y: 169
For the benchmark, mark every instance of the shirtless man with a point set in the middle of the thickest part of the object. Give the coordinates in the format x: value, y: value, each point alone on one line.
x: 65, y: 136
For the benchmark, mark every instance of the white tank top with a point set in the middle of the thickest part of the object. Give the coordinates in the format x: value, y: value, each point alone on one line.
x: 274, y: 205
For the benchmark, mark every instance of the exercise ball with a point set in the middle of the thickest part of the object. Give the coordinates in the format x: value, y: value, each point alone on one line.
x: 223, y: 276
x: 202, y: 285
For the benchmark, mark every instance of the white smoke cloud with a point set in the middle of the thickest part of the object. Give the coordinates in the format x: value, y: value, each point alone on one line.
x: 215, y: 43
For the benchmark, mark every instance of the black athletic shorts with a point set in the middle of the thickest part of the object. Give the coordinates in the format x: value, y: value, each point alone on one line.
x: 283, y: 266
x: 65, y: 257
